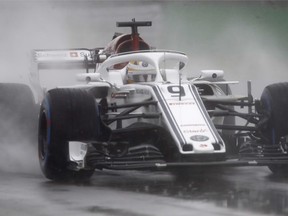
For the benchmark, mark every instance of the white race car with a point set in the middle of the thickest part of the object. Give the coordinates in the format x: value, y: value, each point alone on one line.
x: 135, y: 108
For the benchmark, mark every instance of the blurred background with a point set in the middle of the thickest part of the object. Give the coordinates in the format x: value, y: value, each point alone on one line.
x: 247, y: 39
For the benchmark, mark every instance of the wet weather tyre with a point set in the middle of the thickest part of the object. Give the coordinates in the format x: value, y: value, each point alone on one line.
x: 65, y: 115
x: 274, y: 100
x: 18, y: 113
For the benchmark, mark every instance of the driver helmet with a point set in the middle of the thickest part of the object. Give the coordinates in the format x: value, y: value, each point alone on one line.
x: 140, y: 71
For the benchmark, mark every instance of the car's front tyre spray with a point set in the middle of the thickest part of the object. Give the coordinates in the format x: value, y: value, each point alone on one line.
x: 18, y: 113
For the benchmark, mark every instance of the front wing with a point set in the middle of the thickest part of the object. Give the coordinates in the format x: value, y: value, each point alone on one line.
x: 158, y: 165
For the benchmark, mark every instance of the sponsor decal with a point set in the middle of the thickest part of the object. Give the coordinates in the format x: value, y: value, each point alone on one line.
x: 144, y: 64
x: 181, y: 103
x: 199, y: 138
x: 203, y: 145
x: 201, y: 130
x: 73, y: 54
x: 50, y: 54
x: 142, y: 91
x: 119, y: 94
x: 62, y: 55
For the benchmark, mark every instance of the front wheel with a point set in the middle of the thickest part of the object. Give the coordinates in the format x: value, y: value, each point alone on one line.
x: 66, y: 115
x: 274, y: 100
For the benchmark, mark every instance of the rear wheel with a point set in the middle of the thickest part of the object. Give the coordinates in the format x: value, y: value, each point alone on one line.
x: 66, y: 115
x: 274, y: 100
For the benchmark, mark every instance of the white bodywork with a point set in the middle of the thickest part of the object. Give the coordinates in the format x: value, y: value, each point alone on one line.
x: 182, y: 111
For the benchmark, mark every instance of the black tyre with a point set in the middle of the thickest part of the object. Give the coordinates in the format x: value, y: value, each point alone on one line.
x: 274, y: 100
x: 66, y: 115
x: 18, y: 113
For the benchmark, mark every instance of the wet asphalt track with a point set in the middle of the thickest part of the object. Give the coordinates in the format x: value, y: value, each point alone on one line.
x: 236, y: 191
x: 220, y: 36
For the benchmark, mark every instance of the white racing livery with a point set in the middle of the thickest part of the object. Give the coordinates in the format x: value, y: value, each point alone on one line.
x: 135, y: 108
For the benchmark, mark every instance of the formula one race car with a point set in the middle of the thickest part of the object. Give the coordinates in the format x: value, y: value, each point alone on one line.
x: 135, y: 108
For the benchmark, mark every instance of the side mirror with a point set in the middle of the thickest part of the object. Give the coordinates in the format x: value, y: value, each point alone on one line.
x: 181, y: 65
x: 212, y: 74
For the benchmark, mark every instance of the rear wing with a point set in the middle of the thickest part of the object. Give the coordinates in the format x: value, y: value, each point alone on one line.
x: 83, y: 59
x: 76, y: 58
